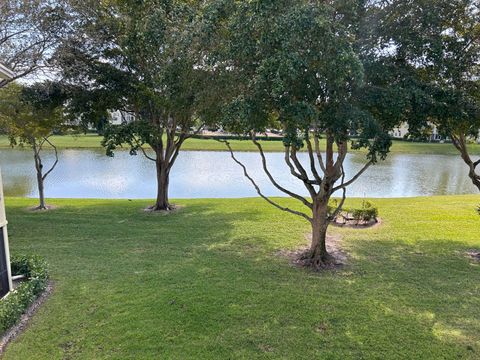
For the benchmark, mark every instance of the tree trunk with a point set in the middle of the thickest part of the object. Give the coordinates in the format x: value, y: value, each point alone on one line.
x: 475, y: 179
x: 163, y: 178
x: 318, y: 254
x: 460, y: 142
x: 41, y: 191
x: 39, y: 168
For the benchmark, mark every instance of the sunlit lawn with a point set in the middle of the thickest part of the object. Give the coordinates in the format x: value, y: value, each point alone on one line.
x: 208, y: 283
x: 90, y: 141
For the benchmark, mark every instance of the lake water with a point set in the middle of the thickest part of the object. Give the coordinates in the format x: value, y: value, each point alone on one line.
x: 201, y: 174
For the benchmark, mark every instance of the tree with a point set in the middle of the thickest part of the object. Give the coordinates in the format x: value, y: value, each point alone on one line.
x: 297, y: 65
x: 29, y: 116
x: 29, y: 32
x: 434, y: 50
x: 138, y: 57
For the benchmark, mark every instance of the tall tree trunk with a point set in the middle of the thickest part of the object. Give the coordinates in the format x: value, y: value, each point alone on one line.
x: 318, y: 254
x: 163, y: 178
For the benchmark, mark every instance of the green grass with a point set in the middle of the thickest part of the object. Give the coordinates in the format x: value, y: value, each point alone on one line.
x: 208, y: 283
x: 92, y: 141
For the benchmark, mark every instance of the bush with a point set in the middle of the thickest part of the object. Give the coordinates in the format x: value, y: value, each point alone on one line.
x: 366, y: 213
x: 16, y: 303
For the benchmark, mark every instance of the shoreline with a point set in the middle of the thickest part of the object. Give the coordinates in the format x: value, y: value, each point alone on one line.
x: 92, y: 142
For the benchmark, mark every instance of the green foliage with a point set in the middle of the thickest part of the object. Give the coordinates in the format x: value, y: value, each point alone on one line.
x: 300, y: 65
x: 14, y: 305
x: 140, y: 58
x: 433, y: 56
x: 367, y: 212
x: 34, y: 268
x: 29, y: 114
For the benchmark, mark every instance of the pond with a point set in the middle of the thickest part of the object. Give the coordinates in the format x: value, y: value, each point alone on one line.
x: 202, y: 174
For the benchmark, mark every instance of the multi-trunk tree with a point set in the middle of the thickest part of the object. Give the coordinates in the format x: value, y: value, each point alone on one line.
x: 30, y: 116
x: 295, y: 65
x: 433, y: 48
x: 140, y: 58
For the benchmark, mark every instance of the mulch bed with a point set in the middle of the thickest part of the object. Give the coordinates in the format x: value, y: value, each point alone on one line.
x: 296, y: 257
x: 351, y: 223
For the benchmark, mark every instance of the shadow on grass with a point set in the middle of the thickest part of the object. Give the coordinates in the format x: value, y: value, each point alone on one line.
x: 205, y: 283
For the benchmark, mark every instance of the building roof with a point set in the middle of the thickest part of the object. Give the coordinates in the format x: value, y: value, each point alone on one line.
x: 6, y: 73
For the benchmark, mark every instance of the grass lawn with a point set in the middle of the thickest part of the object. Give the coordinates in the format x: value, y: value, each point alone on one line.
x: 92, y: 141
x: 208, y: 283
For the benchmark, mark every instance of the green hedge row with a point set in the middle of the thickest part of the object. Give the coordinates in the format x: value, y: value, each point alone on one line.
x: 16, y: 303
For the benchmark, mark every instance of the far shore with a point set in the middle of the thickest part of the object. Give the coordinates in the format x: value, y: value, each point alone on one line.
x: 93, y: 141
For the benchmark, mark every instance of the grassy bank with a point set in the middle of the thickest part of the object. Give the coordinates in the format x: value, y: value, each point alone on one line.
x: 208, y: 283
x: 92, y: 141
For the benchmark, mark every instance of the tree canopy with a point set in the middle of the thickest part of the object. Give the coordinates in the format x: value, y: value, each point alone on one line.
x: 433, y: 50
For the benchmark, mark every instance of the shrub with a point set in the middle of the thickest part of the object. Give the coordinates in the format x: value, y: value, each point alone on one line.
x: 366, y: 213
x: 16, y: 303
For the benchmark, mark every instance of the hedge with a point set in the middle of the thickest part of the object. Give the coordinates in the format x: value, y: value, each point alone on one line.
x: 17, y: 301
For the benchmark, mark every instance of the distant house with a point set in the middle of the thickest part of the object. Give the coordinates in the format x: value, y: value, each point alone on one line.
x: 114, y: 117
x: 401, y: 131
x: 119, y: 117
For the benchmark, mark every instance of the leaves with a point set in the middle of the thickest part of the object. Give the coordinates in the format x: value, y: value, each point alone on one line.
x: 29, y: 114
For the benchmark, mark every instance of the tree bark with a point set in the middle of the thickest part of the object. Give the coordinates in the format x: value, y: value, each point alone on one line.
x: 41, y: 191
x: 318, y: 255
x: 163, y: 177
x: 460, y: 142
x: 39, y: 169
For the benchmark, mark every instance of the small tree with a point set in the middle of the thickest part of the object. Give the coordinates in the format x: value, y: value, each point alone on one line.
x: 295, y: 65
x: 29, y: 116
x: 138, y: 57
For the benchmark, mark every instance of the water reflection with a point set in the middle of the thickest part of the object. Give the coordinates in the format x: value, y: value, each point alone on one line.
x: 197, y: 174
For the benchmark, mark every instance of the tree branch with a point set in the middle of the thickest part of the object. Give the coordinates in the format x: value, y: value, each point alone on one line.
x: 282, y: 189
x: 56, y: 158
x: 352, y: 180
x: 344, y: 196
x: 143, y: 150
x: 257, y: 188
x: 313, y: 168
x: 290, y: 165
x: 307, y: 182
x: 146, y: 155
